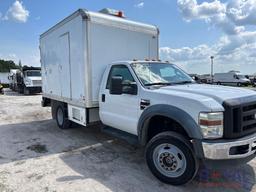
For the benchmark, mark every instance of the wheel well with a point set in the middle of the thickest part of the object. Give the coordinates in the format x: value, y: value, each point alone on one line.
x: 54, y: 106
x: 158, y: 124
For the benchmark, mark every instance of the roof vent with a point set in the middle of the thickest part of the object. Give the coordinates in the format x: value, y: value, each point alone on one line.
x: 113, y: 12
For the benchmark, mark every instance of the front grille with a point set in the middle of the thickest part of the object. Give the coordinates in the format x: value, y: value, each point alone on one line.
x: 37, y: 82
x: 239, y: 117
x: 249, y: 117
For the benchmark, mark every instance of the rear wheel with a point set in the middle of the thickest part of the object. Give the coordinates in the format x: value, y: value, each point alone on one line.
x: 62, y: 118
x: 171, y: 159
x: 239, y: 84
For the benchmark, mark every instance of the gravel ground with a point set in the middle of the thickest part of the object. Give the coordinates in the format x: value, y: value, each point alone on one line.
x: 37, y: 156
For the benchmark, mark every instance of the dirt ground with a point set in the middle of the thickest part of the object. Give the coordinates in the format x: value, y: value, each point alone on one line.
x: 37, y: 156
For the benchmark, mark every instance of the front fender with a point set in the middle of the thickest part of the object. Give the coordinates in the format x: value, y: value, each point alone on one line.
x: 174, y: 113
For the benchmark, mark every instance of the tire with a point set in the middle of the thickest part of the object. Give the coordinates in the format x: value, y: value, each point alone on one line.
x: 218, y: 83
x: 62, y: 118
x: 239, y: 84
x: 20, y: 90
x: 171, y: 159
x: 26, y: 91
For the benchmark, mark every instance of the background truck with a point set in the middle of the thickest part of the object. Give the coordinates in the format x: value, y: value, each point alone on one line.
x: 27, y: 80
x: 231, y: 78
x: 12, y: 78
x: 90, y: 74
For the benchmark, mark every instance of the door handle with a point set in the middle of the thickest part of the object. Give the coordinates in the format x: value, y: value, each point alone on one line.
x: 103, y: 98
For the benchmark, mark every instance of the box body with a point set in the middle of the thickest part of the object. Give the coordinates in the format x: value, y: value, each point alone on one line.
x: 76, y: 51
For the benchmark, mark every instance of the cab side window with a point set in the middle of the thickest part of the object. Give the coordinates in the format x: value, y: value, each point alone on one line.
x: 123, y: 71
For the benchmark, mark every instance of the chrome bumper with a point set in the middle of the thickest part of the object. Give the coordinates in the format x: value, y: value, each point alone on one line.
x: 239, y: 148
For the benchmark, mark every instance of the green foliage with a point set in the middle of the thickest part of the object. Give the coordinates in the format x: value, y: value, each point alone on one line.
x: 5, y: 85
x: 5, y: 66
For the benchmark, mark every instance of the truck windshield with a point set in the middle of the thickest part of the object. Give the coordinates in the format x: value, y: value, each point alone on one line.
x: 160, y: 74
x: 33, y: 73
x: 241, y: 76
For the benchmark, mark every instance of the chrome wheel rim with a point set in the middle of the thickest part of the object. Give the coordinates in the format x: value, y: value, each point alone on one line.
x: 169, y: 160
x: 60, y: 116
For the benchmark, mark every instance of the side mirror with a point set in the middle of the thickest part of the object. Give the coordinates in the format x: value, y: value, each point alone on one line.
x: 116, y: 87
x: 131, y: 89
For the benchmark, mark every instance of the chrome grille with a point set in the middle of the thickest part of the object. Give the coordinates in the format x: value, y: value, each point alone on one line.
x: 37, y: 82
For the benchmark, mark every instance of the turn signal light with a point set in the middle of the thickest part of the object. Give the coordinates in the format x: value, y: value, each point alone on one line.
x: 211, y: 124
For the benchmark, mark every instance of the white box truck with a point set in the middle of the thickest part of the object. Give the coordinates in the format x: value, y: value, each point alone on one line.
x: 90, y: 74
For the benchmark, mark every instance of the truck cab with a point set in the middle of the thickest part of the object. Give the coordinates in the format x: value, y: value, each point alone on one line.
x: 179, y: 121
x: 31, y: 80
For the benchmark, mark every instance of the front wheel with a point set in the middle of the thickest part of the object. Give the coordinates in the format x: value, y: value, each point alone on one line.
x: 26, y: 91
x: 171, y: 159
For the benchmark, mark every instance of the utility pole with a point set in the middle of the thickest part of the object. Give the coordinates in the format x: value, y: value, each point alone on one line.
x: 212, y: 57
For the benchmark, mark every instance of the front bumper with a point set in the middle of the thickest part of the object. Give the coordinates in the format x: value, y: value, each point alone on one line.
x: 35, y: 89
x: 33, y: 86
x: 235, y: 149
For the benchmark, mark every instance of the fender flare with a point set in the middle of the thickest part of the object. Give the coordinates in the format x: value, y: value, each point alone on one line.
x: 172, y: 112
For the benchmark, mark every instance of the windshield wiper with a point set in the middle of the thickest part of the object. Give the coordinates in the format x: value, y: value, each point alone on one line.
x: 183, y: 82
x: 159, y: 83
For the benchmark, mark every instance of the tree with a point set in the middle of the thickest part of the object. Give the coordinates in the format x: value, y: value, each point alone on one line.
x: 5, y: 66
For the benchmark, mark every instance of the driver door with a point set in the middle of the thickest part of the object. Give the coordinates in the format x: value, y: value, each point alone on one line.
x: 120, y: 111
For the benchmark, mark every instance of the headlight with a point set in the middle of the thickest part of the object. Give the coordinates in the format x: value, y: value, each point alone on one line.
x: 211, y: 124
x: 28, y: 82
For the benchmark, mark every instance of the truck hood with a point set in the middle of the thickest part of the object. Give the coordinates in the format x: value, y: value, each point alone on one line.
x: 218, y: 93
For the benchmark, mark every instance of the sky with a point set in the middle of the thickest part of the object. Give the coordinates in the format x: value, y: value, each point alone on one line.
x: 190, y: 30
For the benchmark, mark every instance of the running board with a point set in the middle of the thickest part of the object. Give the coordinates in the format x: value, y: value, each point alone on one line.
x: 129, y: 138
